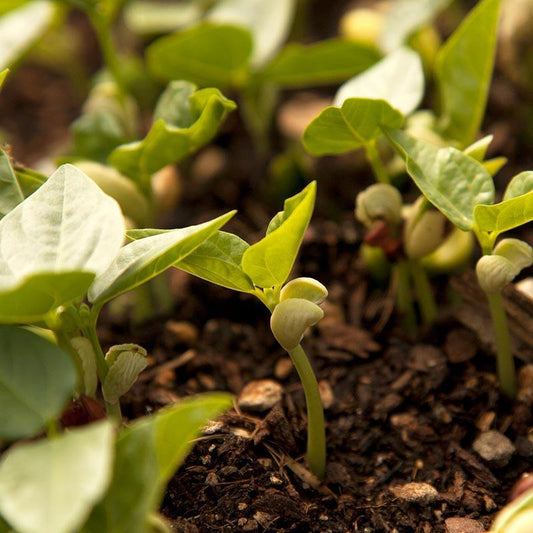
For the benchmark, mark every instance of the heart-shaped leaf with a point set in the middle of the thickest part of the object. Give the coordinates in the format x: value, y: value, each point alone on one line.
x: 398, y: 79
x: 322, y: 63
x: 452, y: 181
x: 506, y: 215
x: 147, y: 454
x: 144, y: 259
x: 36, y: 380
x: 207, y: 54
x: 355, y: 124
x: 268, y: 262
x: 268, y: 22
x: 67, y: 225
x: 50, y: 486
x: 464, y: 70
x: 185, y: 120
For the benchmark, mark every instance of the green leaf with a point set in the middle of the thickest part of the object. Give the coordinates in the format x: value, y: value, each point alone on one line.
x: 404, y: 17
x: 207, y: 54
x: 398, y: 79
x: 67, y: 225
x: 148, y: 17
x: 268, y: 22
x: 123, y: 374
x: 355, y: 124
x: 453, y: 182
x: 50, y: 486
x: 506, y: 215
x: 10, y: 192
x: 20, y: 28
x: 3, y: 76
x: 185, y: 121
x: 521, y: 184
x: 321, y: 63
x: 39, y: 294
x: 218, y: 260
x: 464, y: 70
x: 144, y: 259
x: 478, y: 150
x: 147, y: 455
x: 36, y: 380
x: 29, y: 180
x: 269, y: 262
x: 96, y: 135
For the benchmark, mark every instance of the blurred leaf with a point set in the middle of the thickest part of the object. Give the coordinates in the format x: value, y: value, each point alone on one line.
x: 146, y: 17
x: 404, y: 17
x: 20, y: 28
x: 356, y: 123
x: 185, y: 120
x: 464, y: 70
x: 147, y: 455
x: 398, y: 79
x: 452, y: 181
x: 321, y: 63
x: 50, y: 486
x: 268, y: 22
x: 36, y: 381
x: 207, y: 54
x: 33, y: 298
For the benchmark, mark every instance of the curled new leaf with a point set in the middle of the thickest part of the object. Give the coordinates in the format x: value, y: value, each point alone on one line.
x: 290, y: 320
x: 126, y: 363
x: 268, y: 262
x: 379, y: 202
x: 185, y: 120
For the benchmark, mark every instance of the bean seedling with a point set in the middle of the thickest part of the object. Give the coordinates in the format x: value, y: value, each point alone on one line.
x: 262, y: 270
x: 462, y: 189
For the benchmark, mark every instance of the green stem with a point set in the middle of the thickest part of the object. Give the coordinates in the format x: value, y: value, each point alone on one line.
x: 112, y: 409
x: 424, y: 293
x: 505, y: 361
x: 103, y: 32
x: 377, y: 165
x: 316, y: 431
x: 64, y: 343
x: 404, y: 299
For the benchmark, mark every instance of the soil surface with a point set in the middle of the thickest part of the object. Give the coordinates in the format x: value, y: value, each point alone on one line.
x: 399, y: 410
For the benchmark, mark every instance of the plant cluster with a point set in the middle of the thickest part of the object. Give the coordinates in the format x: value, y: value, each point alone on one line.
x: 77, y: 240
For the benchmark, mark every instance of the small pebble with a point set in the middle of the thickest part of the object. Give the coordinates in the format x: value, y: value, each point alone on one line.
x: 463, y: 525
x: 283, y: 368
x: 525, y: 286
x: 211, y: 479
x: 460, y: 346
x: 525, y: 385
x: 182, y: 331
x: 485, y: 420
x: 416, y: 493
x: 494, y: 447
x: 241, y: 506
x: 260, y: 395
x: 326, y: 394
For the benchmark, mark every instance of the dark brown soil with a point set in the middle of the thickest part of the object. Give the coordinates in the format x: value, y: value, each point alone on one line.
x: 401, y: 410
